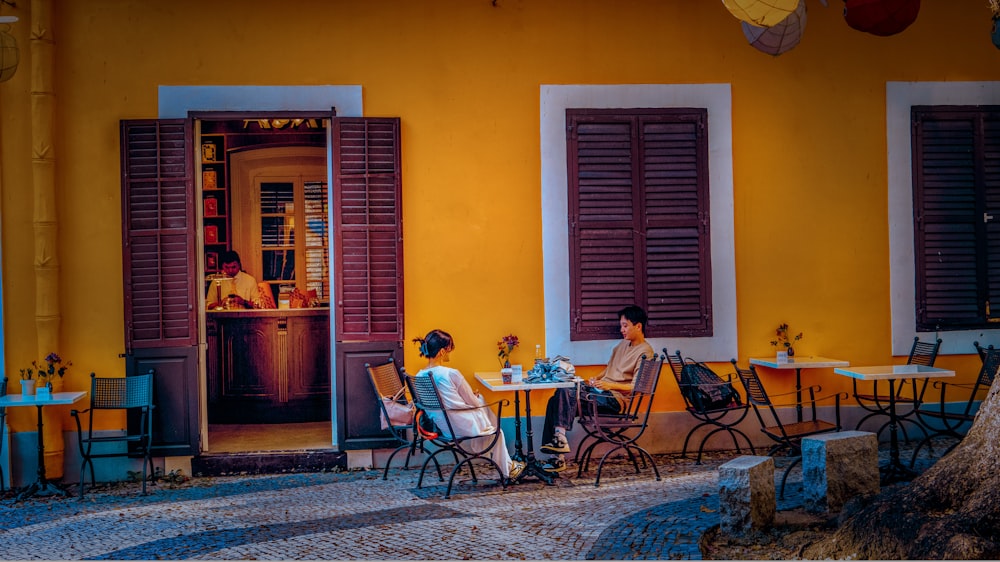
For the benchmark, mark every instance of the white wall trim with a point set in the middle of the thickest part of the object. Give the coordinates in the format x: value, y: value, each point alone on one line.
x: 899, y: 97
x: 717, y: 98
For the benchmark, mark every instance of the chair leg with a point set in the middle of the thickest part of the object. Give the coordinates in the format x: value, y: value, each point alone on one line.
x: 385, y: 473
x: 784, y: 477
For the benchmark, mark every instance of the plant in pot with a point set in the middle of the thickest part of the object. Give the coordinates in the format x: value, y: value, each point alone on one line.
x: 782, y: 339
x: 44, y: 373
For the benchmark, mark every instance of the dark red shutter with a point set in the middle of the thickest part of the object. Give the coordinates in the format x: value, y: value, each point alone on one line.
x: 956, y: 207
x: 159, y: 234
x: 638, y: 220
x: 675, y: 180
x: 368, y: 229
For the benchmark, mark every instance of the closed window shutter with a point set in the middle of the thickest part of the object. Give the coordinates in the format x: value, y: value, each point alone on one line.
x: 159, y: 233
x: 368, y: 229
x: 638, y: 198
x: 950, y: 244
x: 678, y: 271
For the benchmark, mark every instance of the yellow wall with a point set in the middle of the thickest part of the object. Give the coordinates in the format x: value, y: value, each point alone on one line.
x: 809, y: 148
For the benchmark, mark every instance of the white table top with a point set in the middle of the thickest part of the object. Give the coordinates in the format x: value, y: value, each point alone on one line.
x: 492, y: 381
x: 54, y: 399
x: 885, y: 372
x: 799, y: 362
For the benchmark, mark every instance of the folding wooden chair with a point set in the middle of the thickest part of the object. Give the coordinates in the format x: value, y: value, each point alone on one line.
x: 787, y: 436
x: 388, y: 385
x: 722, y: 417
x: 623, y: 430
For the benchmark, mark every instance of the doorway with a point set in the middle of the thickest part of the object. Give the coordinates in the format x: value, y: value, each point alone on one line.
x: 265, y: 194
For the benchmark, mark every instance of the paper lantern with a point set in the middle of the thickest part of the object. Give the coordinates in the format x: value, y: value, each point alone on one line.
x: 764, y: 13
x: 9, y: 56
x: 995, y: 34
x: 781, y: 36
x: 881, y: 17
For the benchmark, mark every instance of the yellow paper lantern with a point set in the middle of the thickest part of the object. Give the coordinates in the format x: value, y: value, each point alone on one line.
x: 762, y: 13
x: 780, y: 37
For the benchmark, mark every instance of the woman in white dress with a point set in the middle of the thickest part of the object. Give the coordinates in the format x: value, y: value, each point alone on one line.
x: 456, y: 393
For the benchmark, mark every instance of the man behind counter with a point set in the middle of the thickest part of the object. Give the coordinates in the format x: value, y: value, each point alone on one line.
x: 244, y: 291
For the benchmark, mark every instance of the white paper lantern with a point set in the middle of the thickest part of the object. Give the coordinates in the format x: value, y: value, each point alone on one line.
x: 780, y: 37
x: 764, y: 13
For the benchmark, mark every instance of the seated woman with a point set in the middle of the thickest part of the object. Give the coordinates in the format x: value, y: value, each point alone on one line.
x: 456, y: 393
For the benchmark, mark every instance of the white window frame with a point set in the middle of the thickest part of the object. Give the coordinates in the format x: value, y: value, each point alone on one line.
x: 717, y: 98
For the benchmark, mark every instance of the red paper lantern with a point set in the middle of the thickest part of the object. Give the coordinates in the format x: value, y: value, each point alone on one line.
x: 780, y: 37
x: 881, y: 17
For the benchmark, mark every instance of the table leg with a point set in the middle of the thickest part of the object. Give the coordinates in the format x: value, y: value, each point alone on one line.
x: 518, y: 449
x: 534, y: 466
x: 894, y: 470
x: 798, y: 394
x: 41, y: 486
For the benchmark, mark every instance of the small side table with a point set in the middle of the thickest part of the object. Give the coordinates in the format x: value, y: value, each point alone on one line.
x: 41, y: 486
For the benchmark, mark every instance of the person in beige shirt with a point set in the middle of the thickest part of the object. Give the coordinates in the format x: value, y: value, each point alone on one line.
x: 612, y: 384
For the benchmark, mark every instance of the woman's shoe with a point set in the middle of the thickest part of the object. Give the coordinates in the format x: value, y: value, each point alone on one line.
x: 516, y: 468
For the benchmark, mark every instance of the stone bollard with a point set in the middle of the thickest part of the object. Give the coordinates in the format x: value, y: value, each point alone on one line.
x: 837, y: 467
x: 746, y: 494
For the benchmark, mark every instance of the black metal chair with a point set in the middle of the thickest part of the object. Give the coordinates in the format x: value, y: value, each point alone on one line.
x: 427, y: 399
x: 133, y: 393
x: 787, y: 436
x: 3, y: 429
x: 621, y: 431
x: 921, y: 353
x: 387, y: 382
x: 722, y: 418
x: 954, y: 420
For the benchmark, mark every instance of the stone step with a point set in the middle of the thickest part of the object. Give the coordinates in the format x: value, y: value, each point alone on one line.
x: 268, y: 462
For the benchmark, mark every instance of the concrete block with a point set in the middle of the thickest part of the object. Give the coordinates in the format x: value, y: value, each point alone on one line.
x: 837, y: 467
x: 360, y: 459
x: 746, y: 494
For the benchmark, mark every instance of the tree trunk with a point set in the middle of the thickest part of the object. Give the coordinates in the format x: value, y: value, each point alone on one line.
x: 951, y: 511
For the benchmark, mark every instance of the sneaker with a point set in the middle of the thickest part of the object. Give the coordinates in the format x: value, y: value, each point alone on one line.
x: 516, y: 468
x: 559, y: 444
x: 554, y: 465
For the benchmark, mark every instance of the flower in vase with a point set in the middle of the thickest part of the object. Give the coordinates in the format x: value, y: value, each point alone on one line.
x: 506, y: 346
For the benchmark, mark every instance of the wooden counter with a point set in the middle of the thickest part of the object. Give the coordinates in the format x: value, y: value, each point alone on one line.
x: 268, y: 366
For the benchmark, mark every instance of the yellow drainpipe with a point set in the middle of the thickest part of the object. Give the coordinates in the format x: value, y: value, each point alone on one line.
x: 43, y: 166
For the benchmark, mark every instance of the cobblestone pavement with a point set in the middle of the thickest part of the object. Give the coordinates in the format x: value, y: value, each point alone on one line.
x: 357, y: 515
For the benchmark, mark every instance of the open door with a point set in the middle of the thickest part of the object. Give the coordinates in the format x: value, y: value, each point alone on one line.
x: 159, y: 272
x: 368, y: 271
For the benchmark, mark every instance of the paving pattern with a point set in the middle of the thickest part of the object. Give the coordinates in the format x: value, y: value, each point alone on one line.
x: 357, y: 515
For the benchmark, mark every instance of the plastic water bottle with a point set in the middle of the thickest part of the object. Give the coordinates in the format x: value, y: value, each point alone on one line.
x: 538, y: 354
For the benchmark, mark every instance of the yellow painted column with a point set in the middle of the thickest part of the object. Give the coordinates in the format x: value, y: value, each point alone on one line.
x: 43, y: 165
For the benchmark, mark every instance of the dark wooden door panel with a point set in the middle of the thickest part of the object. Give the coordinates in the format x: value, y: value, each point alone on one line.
x: 249, y: 364
x: 175, y: 394
x: 358, y: 412
x: 309, y: 357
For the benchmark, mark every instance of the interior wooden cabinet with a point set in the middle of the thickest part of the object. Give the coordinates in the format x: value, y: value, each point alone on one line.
x: 215, y: 199
x: 280, y: 217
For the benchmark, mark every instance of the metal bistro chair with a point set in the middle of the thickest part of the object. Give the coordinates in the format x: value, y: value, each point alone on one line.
x: 622, y: 431
x: 955, y: 421
x: 787, y: 436
x: 427, y: 399
x: 118, y: 393
x: 387, y: 381
x: 722, y: 418
x: 921, y: 353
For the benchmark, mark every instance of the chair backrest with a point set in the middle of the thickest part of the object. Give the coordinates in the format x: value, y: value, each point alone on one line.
x: 988, y: 372
x: 426, y: 398
x: 115, y: 393
x: 644, y: 384
x: 386, y: 380
x: 756, y: 394
x: 676, y: 363
x: 923, y: 353
x: 981, y: 350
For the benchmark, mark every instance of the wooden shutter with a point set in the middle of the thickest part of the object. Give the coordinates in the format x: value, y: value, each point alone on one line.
x: 368, y: 229
x: 159, y: 234
x: 158, y: 237
x: 638, y: 205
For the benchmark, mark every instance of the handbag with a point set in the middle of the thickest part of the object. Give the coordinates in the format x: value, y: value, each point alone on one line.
x: 399, y: 414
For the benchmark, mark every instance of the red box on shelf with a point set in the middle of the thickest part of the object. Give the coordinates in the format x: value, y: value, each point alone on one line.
x: 211, y: 234
x: 209, y: 179
x: 211, y: 207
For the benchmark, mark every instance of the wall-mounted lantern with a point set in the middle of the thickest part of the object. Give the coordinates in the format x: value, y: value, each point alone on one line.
x: 8, y: 49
